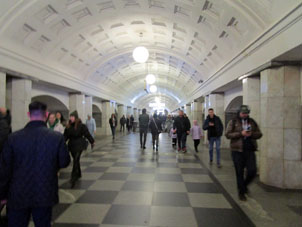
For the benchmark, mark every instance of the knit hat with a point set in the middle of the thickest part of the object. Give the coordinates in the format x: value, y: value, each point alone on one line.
x: 75, y: 114
x: 244, y: 109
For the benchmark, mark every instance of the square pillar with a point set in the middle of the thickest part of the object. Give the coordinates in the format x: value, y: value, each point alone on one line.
x: 121, y: 111
x: 188, y: 112
x: 135, y: 114
x: 88, y: 106
x: 281, y: 155
x: 129, y: 111
x: 106, y: 114
x: 2, y: 89
x: 20, y: 99
x: 77, y: 102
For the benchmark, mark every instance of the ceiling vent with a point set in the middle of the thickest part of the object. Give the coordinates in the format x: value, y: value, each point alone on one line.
x: 207, y: 5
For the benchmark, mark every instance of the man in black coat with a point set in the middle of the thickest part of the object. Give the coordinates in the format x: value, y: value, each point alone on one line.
x: 215, y: 129
x: 29, y: 164
x: 182, y: 126
x: 5, y: 126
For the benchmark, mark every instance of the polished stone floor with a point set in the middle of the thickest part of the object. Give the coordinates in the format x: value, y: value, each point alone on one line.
x: 124, y: 186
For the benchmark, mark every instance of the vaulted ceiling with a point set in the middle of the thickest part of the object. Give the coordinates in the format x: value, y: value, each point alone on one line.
x: 93, y: 40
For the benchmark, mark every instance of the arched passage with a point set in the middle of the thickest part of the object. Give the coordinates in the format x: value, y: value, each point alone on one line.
x: 53, y: 104
x: 232, y: 108
x: 97, y: 115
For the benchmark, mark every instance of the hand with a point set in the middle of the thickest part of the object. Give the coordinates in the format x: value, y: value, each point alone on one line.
x: 92, y: 146
x: 246, y: 133
x: 211, y: 124
x: 94, y: 132
x: 188, y: 132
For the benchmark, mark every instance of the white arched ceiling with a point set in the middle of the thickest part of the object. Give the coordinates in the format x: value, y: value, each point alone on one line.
x: 93, y: 40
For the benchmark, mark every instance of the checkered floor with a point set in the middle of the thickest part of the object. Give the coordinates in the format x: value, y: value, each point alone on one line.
x: 123, y: 186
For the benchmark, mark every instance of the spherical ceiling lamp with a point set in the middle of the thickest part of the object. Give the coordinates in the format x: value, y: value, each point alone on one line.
x: 140, y: 54
x: 150, y: 78
x: 153, y: 88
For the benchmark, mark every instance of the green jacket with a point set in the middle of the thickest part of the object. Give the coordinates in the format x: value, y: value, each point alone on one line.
x: 143, y: 121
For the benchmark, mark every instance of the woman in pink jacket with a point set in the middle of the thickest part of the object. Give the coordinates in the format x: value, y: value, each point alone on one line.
x: 196, y: 134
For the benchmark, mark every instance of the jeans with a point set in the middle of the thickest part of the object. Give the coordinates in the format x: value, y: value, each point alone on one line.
x: 242, y: 160
x: 76, y: 168
x: 217, y: 140
x: 20, y: 218
x: 155, y: 139
x: 123, y: 127
x: 182, y: 139
x: 143, y: 132
x: 113, y: 131
x: 196, y: 143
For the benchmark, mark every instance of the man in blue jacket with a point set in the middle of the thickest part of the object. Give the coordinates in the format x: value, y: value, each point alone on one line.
x: 29, y: 164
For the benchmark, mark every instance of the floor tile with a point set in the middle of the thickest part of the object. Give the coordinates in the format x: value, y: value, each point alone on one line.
x: 107, y: 185
x: 168, y: 177
x: 209, y: 200
x: 128, y: 215
x: 98, y: 197
x: 124, y: 164
x: 202, y: 187
x: 197, y: 178
x: 168, y: 170
x: 69, y: 195
x: 173, y: 216
x: 119, y: 170
x: 102, y: 164
x: 58, y: 209
x: 91, y: 176
x: 143, y: 170
x: 74, y: 225
x: 175, y: 199
x: 190, y: 165
x: 138, y: 186
x: 96, y: 169
x: 193, y: 171
x: 114, y: 176
x: 81, y: 184
x: 141, y: 177
x: 168, y: 165
x: 169, y: 187
x: 133, y: 198
x: 84, y: 214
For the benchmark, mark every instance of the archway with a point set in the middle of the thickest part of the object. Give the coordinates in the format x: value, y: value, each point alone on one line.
x: 231, y: 110
x: 97, y: 115
x: 53, y: 104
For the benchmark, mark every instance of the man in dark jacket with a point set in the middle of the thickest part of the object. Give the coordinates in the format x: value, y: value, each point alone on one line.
x: 215, y: 129
x: 122, y: 123
x: 182, y: 126
x: 5, y: 126
x: 29, y: 164
x: 243, y: 132
x: 143, y: 127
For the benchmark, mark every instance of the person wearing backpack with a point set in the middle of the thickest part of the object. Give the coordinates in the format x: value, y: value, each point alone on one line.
x: 143, y: 128
x: 155, y: 128
x: 243, y: 132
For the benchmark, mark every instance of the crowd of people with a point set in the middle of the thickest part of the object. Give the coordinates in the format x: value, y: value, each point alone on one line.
x: 32, y: 157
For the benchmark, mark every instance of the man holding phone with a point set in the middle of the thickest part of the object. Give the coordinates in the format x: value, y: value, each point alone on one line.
x: 243, y: 132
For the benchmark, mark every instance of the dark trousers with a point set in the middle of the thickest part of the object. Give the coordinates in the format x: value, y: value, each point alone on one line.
x: 182, y: 139
x: 196, y: 143
x: 143, y: 132
x: 174, y: 141
x: 20, y: 218
x: 155, y: 137
x: 242, y: 160
x: 123, y: 127
x: 113, y: 131
x: 76, y: 168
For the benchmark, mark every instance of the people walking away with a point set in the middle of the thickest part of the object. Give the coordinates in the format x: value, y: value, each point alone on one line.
x: 61, y: 118
x: 113, y: 124
x: 173, y: 135
x: 123, y: 121
x: 29, y: 164
x: 214, y: 127
x: 54, y: 124
x: 128, y: 124
x: 156, y: 129
x: 131, y: 122
x: 169, y: 123
x: 196, y: 134
x: 5, y: 126
x: 243, y: 132
x: 143, y: 127
x: 91, y: 125
x: 76, y: 134
x: 182, y: 126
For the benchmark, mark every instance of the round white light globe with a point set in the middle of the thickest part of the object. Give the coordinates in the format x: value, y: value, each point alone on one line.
x: 150, y: 78
x: 140, y: 54
x: 153, y: 88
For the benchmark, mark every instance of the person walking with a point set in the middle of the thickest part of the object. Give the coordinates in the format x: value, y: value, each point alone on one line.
x: 173, y: 135
x: 54, y: 124
x: 132, y: 122
x: 182, y: 127
x: 76, y: 134
x: 143, y: 127
x: 29, y: 164
x: 243, y: 132
x: 61, y: 118
x: 156, y: 129
x: 196, y: 134
x: 123, y: 121
x: 91, y: 125
x: 128, y: 124
x: 113, y: 124
x: 5, y: 126
x: 214, y: 127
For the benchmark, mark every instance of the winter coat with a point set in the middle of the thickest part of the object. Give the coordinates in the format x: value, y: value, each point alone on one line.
x: 155, y: 129
x: 111, y: 122
x: 123, y: 121
x: 58, y: 127
x: 143, y: 121
x: 196, y: 132
x: 233, y: 132
x: 169, y: 124
x: 217, y: 123
x: 5, y: 128
x: 29, y: 165
x: 75, y: 136
x: 182, y: 124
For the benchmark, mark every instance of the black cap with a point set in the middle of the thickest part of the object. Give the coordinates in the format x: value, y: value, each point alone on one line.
x: 244, y: 109
x: 75, y: 114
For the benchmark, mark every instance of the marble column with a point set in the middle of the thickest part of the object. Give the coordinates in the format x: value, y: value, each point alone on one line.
x: 189, y: 112
x: 2, y: 89
x: 196, y: 112
x: 88, y: 106
x: 129, y: 111
x: 135, y: 114
x: 77, y: 102
x: 216, y: 101
x: 206, y: 108
x: 121, y: 110
x: 106, y: 114
x: 280, y: 157
x: 20, y: 99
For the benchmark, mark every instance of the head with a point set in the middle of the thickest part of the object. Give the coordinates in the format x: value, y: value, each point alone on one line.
x: 144, y: 111
x: 112, y: 115
x: 3, y: 111
x: 51, y: 118
x: 73, y: 116
x: 211, y: 113
x: 37, y: 111
x: 155, y: 115
x: 58, y: 115
x: 244, y: 111
x: 181, y: 113
x: 89, y: 117
x: 195, y: 122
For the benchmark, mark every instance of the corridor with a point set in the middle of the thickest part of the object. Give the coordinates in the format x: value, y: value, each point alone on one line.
x: 121, y: 185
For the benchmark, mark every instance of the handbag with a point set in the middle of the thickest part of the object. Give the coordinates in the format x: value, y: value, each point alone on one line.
x: 156, y: 126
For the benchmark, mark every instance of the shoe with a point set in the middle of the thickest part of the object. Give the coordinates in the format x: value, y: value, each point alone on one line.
x: 156, y: 148
x: 211, y: 162
x: 196, y: 150
x: 144, y: 147
x: 184, y: 150
x: 242, y: 197
x: 141, y: 147
x: 72, y: 184
x: 179, y: 149
x: 219, y: 165
x: 247, y: 191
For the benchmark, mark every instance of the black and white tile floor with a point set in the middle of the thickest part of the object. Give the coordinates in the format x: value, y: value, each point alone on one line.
x: 123, y: 186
